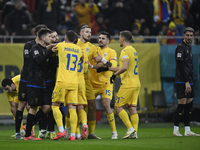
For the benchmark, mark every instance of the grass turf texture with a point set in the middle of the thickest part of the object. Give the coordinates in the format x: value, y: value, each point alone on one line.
x: 152, y: 136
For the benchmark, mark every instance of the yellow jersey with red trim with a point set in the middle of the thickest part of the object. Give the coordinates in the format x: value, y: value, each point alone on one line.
x: 16, y: 81
x: 130, y: 78
x: 103, y: 78
x: 69, y: 56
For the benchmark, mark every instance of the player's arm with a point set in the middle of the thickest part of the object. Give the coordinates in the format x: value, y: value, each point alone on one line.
x: 27, y: 48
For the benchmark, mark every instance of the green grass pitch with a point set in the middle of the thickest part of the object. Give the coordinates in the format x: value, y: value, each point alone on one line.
x: 152, y: 136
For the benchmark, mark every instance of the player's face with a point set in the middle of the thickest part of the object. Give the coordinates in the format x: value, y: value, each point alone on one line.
x: 120, y: 41
x: 8, y: 89
x: 188, y: 37
x: 48, y: 39
x: 55, y: 38
x: 103, y: 40
x: 86, y: 34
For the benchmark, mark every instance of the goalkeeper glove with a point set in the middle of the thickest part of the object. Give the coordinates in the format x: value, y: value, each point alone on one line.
x: 112, y: 79
x: 102, y: 69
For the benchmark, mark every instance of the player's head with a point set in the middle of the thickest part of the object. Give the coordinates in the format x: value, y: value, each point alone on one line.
x: 8, y: 85
x: 38, y: 27
x: 45, y: 36
x: 71, y: 36
x: 54, y: 36
x: 104, y: 39
x: 85, y: 32
x: 188, y: 35
x: 125, y: 36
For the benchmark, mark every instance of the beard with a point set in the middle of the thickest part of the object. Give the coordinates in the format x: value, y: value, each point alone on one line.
x: 86, y: 39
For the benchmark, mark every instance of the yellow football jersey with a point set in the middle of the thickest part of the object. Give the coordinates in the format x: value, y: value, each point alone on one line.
x: 11, y: 96
x: 81, y: 67
x: 103, y: 78
x: 130, y: 78
x: 69, y: 56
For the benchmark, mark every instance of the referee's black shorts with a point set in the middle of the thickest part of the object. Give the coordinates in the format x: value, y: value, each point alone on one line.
x: 180, y: 89
x: 22, y: 94
x: 35, y: 96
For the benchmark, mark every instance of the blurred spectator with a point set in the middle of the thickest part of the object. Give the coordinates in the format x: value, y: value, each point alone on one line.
x: 83, y: 12
x: 30, y: 5
x: 140, y: 13
x: 179, y: 15
x: 197, y: 33
x: 104, y: 9
x: 68, y: 18
x: 2, y: 3
x: 145, y: 31
x: 8, y: 7
x: 137, y: 38
x: 18, y: 21
x: 49, y: 14
x: 116, y: 37
x: 96, y: 9
x: 195, y: 12
x: 163, y: 32
x: 120, y: 12
x: 173, y: 32
x: 98, y: 25
x: 63, y: 31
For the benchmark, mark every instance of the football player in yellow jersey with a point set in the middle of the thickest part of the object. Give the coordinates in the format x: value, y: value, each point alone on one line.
x: 130, y: 88
x: 100, y: 79
x: 83, y: 42
x: 66, y: 88
x: 11, y: 86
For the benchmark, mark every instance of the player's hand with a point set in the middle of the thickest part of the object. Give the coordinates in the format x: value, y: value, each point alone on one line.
x: 98, y: 58
x: 102, y: 69
x: 54, y: 49
x: 112, y: 78
x: 188, y: 88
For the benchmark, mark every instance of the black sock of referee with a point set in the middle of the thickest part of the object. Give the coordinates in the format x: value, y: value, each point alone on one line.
x: 51, y: 121
x: 18, y: 120
x: 44, y: 122
x: 187, y: 113
x: 178, y: 114
x: 29, y: 124
x: 39, y: 115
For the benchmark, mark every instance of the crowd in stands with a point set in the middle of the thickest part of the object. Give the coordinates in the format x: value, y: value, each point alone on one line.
x: 141, y: 17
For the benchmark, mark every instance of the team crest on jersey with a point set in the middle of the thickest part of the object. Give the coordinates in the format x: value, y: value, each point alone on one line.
x: 87, y: 49
x: 43, y: 53
x: 105, y: 54
x: 26, y: 51
x: 36, y: 52
x: 179, y: 55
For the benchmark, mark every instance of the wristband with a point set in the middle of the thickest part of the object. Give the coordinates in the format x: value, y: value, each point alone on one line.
x: 104, y: 61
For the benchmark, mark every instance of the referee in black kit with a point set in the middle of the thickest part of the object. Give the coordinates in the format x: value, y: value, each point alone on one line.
x: 184, y: 83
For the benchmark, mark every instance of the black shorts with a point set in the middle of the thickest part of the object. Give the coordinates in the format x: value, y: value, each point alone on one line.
x: 48, y: 92
x: 35, y: 96
x: 180, y: 89
x: 22, y: 94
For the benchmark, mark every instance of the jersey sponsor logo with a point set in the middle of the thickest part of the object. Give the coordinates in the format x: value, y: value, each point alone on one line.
x: 124, y: 56
x: 26, y: 51
x: 105, y: 54
x: 36, y: 52
x: 87, y: 49
x: 179, y: 55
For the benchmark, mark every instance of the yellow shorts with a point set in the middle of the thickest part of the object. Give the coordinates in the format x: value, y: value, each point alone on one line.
x: 82, y: 95
x: 127, y: 96
x: 16, y: 100
x: 106, y: 92
x: 65, y: 96
x: 89, y: 90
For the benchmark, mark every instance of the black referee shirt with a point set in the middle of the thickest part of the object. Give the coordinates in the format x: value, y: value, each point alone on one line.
x: 184, y: 64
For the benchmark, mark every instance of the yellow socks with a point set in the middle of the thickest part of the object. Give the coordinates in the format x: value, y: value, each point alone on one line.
x: 111, y: 120
x: 125, y: 119
x: 91, y: 125
x: 82, y: 116
x: 73, y: 120
x: 135, y: 121
x: 57, y: 115
x: 67, y: 124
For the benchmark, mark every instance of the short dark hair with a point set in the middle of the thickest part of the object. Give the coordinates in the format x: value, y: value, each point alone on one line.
x: 43, y: 32
x: 126, y: 35
x: 72, y: 36
x: 83, y: 26
x: 6, y: 81
x: 188, y: 29
x: 40, y: 26
x: 106, y: 33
